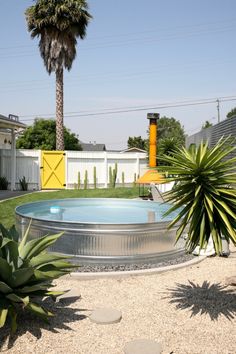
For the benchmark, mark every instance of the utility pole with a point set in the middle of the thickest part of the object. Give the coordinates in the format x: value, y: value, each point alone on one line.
x: 218, y: 109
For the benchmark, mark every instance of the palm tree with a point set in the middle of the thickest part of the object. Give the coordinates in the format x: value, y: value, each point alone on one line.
x: 58, y: 24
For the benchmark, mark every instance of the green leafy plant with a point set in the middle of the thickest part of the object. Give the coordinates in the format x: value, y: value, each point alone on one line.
x: 114, y: 175
x: 135, y: 179
x: 204, y: 194
x: 23, y: 184
x: 123, y: 179
x: 79, y: 182
x: 110, y: 176
x: 95, y: 177
x: 3, y: 183
x: 26, y: 274
x: 86, y: 180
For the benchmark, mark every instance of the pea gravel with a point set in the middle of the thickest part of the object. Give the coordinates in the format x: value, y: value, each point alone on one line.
x: 129, y: 267
x: 188, y: 311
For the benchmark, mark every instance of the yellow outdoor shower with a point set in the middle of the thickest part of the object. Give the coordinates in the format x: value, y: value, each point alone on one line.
x: 153, y: 117
x: 152, y: 176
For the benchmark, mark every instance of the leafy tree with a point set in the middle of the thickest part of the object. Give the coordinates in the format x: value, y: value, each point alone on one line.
x: 137, y: 142
x: 58, y: 24
x: 167, y: 146
x: 207, y: 124
x: 42, y: 135
x: 231, y: 113
x: 170, y: 128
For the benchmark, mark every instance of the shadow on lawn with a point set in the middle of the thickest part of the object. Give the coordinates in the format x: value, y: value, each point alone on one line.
x: 28, y: 323
x: 211, y: 299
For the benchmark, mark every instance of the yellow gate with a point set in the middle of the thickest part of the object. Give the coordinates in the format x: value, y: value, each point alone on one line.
x: 53, y: 170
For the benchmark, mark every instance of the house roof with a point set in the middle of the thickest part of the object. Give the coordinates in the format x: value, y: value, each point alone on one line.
x: 11, y: 122
x: 134, y: 149
x: 93, y: 147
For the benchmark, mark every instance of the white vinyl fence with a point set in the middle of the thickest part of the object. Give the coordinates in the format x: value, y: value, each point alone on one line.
x: 28, y: 162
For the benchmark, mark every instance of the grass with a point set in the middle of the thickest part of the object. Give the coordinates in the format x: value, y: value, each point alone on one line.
x: 7, y: 207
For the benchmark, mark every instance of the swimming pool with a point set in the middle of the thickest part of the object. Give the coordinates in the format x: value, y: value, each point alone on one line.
x: 103, y: 230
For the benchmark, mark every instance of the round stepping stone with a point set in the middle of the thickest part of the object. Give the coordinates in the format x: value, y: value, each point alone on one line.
x: 105, y: 316
x: 143, y: 346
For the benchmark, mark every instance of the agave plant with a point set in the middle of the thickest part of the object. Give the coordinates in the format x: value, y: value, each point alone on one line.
x: 26, y: 274
x: 205, y: 193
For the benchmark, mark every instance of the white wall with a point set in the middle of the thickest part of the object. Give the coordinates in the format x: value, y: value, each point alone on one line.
x: 28, y: 164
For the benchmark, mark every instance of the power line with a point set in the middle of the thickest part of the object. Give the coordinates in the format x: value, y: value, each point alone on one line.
x: 108, y: 111
x: 128, y: 41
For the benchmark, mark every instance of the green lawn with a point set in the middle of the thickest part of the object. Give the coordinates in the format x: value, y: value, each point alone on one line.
x: 7, y: 207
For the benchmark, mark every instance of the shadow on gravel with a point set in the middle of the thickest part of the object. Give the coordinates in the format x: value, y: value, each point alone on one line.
x: 211, y: 299
x: 63, y: 317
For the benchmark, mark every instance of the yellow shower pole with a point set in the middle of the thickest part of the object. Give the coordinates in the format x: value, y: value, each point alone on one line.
x: 153, y: 117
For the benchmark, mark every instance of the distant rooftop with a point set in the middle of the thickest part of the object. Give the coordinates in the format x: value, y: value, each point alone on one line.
x: 93, y: 146
x: 134, y: 149
x: 11, y: 122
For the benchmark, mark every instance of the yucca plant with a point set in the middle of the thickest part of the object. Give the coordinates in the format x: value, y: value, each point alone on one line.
x: 26, y: 274
x: 205, y: 193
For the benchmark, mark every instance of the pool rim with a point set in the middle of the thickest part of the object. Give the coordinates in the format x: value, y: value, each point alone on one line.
x: 91, y: 222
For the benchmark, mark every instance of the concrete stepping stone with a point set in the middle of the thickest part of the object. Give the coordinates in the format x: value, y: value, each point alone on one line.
x: 143, y: 346
x: 106, y: 316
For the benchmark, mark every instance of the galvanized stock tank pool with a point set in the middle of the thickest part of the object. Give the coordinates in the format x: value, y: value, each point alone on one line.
x: 103, y: 231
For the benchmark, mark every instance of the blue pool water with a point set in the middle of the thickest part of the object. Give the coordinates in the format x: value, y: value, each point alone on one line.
x: 99, y: 211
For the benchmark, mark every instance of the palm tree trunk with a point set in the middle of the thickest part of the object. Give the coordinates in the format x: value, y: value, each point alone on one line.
x: 59, y: 110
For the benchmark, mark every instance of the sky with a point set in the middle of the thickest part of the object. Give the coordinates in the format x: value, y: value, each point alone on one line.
x: 138, y: 57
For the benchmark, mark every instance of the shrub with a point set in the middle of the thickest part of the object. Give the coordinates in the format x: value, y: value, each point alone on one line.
x: 204, y: 194
x: 3, y: 183
x: 23, y: 184
x: 26, y: 274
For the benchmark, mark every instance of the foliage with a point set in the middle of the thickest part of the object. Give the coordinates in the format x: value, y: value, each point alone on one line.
x: 42, y: 135
x: 170, y: 128
x: 137, y: 142
x: 26, y: 274
x: 166, y: 147
x: 135, y: 179
x: 58, y: 24
x: 114, y: 175
x: 86, y: 179
x: 7, y: 207
x: 207, y: 124
x: 95, y: 177
x: 79, y: 182
x: 123, y: 178
x: 23, y: 184
x: 232, y: 113
x: 3, y: 183
x: 204, y: 193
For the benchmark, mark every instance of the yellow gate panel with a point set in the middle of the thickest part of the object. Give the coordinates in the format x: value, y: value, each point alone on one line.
x: 53, y: 170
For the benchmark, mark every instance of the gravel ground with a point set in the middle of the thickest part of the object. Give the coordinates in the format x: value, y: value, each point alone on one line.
x: 190, y: 311
x: 129, y: 267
